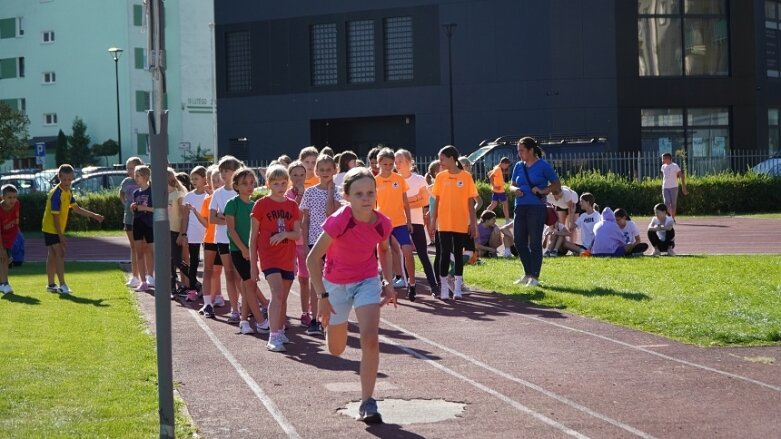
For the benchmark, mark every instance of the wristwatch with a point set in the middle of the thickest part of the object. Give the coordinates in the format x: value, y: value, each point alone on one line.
x: 324, y: 295
x: 385, y: 283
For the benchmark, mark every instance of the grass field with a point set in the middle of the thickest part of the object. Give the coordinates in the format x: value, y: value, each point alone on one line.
x: 704, y: 300
x: 78, y: 366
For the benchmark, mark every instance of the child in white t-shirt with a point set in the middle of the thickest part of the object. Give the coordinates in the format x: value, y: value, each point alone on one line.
x: 588, y: 219
x: 633, y: 245
x: 661, y: 232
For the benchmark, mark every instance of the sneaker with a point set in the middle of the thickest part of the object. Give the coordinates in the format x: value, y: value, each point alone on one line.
x: 507, y: 253
x: 546, y: 253
x: 53, y: 288
x: 5, y: 289
x: 522, y: 281
x: 368, y: 413
x: 219, y: 301
x: 245, y: 327
x: 283, y: 337
x: 411, y: 293
x: 64, y: 289
x: 275, y: 343
x: 192, y: 296
x: 435, y: 291
x: 143, y: 286
x: 314, y: 328
x: 181, y: 291
x: 150, y: 280
x: 306, y: 319
x: 208, y: 312
x: 533, y: 282
x: 444, y: 293
x: 656, y: 252
x: 263, y: 327
x: 400, y: 283
x: 670, y: 252
x: 133, y: 282
x: 234, y: 317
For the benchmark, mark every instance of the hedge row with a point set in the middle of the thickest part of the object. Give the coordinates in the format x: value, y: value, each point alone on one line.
x: 708, y: 195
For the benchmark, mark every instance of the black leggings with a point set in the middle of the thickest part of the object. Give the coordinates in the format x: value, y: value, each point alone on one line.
x: 665, y: 245
x: 451, y: 242
x: 195, y: 260
x: 421, y: 248
x: 176, y: 259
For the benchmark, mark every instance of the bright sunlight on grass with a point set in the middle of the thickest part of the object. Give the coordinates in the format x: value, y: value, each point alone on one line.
x: 705, y: 300
x: 76, y: 366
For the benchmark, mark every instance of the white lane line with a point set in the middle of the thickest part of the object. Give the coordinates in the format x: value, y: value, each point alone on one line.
x: 507, y: 376
x: 271, y: 407
x: 508, y: 400
x: 657, y: 354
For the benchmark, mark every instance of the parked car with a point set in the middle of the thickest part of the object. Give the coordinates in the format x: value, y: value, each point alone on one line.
x: 99, y: 181
x: 771, y: 166
x: 26, y: 183
x: 490, y: 152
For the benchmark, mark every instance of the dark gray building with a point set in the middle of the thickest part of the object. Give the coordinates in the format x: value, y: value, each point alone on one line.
x: 646, y: 74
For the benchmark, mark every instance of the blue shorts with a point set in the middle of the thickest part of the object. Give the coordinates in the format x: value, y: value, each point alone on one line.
x: 51, y: 239
x: 499, y: 196
x: 343, y: 297
x: 286, y: 275
x: 401, y: 233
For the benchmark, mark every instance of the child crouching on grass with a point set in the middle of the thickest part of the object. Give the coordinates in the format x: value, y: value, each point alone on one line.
x: 9, y: 229
x: 276, y: 224
x: 349, y: 279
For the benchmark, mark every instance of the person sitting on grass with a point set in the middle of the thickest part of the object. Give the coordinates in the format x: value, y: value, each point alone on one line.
x: 9, y: 229
x: 633, y: 245
x: 661, y: 232
x: 59, y: 203
x: 557, y: 241
x: 608, y: 238
x: 491, y: 236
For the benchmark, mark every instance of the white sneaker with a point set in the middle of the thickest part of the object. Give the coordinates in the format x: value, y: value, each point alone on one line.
x: 522, y: 281
x: 444, y: 291
x: 275, y: 343
x: 670, y: 252
x: 219, y: 301
x: 656, y: 252
x: 64, y: 289
x: 533, y: 282
x: 133, y: 282
x: 283, y: 337
x: 263, y: 327
x: 507, y: 253
x: 5, y: 289
x: 400, y: 283
x: 245, y: 327
x: 150, y: 280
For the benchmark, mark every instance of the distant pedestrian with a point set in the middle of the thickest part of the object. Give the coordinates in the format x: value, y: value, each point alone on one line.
x: 671, y: 172
x: 126, y: 189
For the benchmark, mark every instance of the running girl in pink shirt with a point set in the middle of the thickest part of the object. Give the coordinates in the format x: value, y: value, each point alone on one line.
x: 349, y: 279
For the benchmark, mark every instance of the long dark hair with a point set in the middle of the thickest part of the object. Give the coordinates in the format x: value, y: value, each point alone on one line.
x: 531, y: 143
x: 451, y: 152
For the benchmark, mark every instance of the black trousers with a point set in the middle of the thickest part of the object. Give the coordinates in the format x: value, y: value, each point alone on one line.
x: 419, y: 239
x: 451, y: 243
x: 663, y: 246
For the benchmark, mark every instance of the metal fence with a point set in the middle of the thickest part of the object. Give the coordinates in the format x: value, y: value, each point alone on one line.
x: 636, y: 165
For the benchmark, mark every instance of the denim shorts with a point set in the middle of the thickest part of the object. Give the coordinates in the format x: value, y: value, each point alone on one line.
x: 343, y: 297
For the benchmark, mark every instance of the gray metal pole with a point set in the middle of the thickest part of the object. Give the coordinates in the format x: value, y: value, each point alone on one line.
x: 158, y: 144
x: 119, y: 129
x: 449, y: 29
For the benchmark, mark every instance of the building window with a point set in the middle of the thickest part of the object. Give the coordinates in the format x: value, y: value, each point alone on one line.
x: 142, y: 143
x: 360, y: 51
x: 19, y: 28
x: 238, y: 56
x: 7, y: 28
x: 139, y: 57
x: 773, y: 130
x: 773, y: 38
x: 50, y: 119
x: 397, y: 45
x: 49, y: 78
x: 322, y: 40
x: 20, y: 66
x: 138, y: 15
x: 683, y: 38
x: 142, y: 101
x: 19, y: 105
x: 47, y: 36
x: 703, y: 133
x: 9, y: 68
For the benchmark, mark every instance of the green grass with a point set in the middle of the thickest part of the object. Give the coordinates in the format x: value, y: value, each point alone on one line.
x: 704, y: 300
x: 79, y: 366
x: 78, y: 233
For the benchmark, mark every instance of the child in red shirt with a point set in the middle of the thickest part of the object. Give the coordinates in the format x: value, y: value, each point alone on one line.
x: 276, y: 224
x: 9, y: 228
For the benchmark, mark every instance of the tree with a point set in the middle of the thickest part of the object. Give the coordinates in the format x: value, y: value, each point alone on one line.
x: 79, y: 142
x: 108, y: 148
x: 61, y: 153
x: 13, y: 133
x: 200, y: 155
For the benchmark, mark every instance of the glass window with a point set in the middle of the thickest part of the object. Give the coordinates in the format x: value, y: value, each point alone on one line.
x: 772, y: 38
x: 677, y: 38
x: 8, y: 28
x: 47, y: 36
x: 323, y: 53
x: 49, y: 78
x: 773, y: 130
x: 50, y: 119
x: 238, y: 56
x: 142, y: 101
x: 142, y: 143
x: 398, y: 48
x: 667, y: 117
x: 139, y: 57
x: 360, y: 51
x: 138, y: 15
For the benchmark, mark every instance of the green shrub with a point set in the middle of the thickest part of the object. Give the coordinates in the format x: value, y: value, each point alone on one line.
x: 708, y: 195
x: 104, y: 203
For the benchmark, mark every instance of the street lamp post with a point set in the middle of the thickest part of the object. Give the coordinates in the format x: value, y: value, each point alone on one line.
x: 115, y: 54
x: 449, y: 29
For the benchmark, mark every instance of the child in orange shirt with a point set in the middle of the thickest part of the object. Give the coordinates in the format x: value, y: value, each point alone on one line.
x: 454, y: 218
x: 392, y: 202
x: 498, y: 195
x: 308, y: 157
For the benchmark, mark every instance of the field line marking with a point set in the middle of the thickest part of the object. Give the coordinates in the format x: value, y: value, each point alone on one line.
x: 267, y: 402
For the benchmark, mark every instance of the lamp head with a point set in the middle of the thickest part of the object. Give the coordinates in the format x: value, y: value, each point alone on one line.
x: 115, y: 53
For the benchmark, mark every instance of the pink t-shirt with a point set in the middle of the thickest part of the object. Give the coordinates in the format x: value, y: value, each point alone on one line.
x: 352, y: 256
